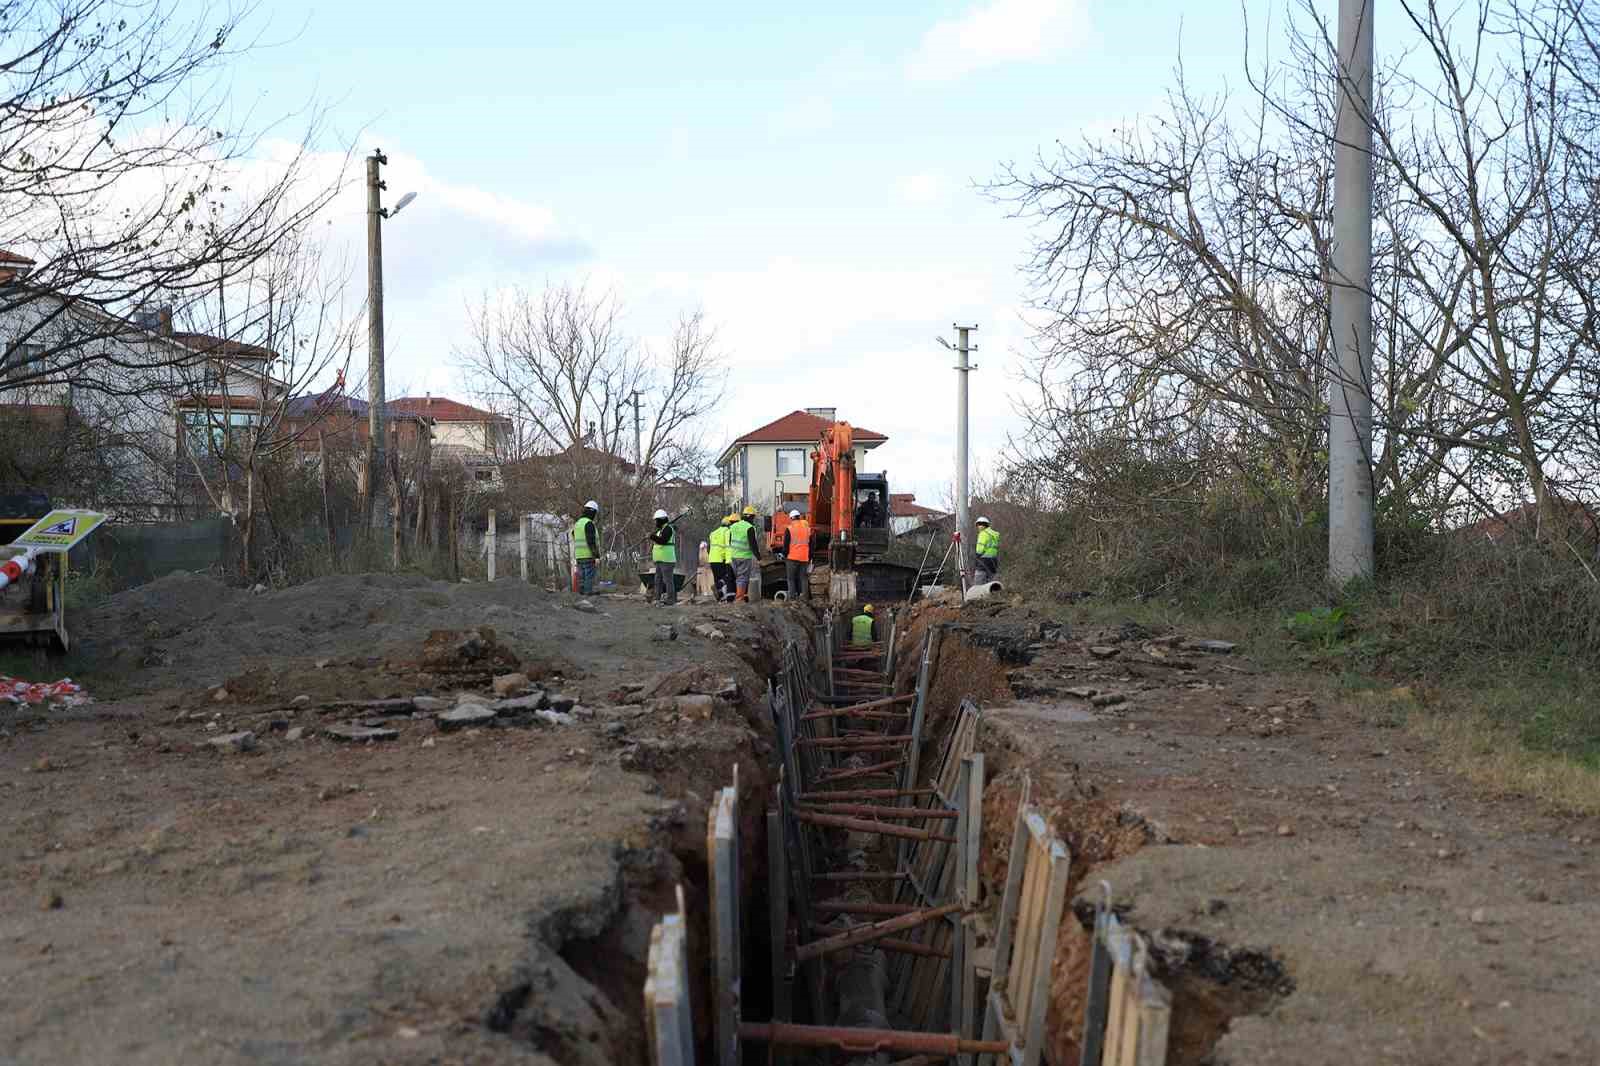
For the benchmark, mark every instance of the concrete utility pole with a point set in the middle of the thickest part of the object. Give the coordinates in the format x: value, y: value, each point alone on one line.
x: 1349, y: 395
x: 963, y: 517
x: 638, y: 438
x: 375, y: 395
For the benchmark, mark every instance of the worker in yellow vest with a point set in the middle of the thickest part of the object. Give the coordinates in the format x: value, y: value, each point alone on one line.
x: 717, y: 556
x: 664, y: 553
x: 797, y: 556
x: 988, y: 550
x: 743, y: 551
x: 861, y: 627
x: 586, y: 547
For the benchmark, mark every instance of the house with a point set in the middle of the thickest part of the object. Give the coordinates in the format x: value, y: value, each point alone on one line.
x: 771, y: 465
x: 906, y: 514
x: 459, y: 425
x: 333, y: 419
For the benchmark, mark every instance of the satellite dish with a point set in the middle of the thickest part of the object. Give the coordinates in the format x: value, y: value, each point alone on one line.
x: 406, y: 199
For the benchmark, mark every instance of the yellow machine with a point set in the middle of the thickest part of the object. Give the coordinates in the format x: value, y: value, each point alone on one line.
x: 32, y: 608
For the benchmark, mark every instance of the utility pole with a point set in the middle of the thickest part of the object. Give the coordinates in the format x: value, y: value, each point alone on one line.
x: 375, y: 394
x: 962, y: 349
x: 638, y: 436
x: 1349, y: 395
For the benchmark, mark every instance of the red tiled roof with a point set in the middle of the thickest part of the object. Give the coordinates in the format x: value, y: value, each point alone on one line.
x: 800, y: 427
x: 216, y: 345
x: 441, y: 409
x: 905, y: 505
x: 13, y: 257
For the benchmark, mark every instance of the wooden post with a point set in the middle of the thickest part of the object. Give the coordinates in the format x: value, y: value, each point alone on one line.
x: 722, y: 850
x: 491, y: 545
x: 522, y: 545
x: 669, y: 1019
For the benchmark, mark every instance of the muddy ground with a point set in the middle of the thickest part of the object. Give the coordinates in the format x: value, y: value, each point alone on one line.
x: 478, y: 895
x: 1317, y: 891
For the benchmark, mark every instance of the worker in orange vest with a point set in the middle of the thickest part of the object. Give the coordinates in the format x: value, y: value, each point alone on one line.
x: 797, y: 556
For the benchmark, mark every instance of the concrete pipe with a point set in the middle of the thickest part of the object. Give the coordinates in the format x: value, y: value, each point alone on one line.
x: 984, y: 590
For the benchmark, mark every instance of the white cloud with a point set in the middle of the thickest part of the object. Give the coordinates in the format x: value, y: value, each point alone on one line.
x: 921, y: 188
x: 995, y: 33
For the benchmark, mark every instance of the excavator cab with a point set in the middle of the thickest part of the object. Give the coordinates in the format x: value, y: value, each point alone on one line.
x: 872, y: 530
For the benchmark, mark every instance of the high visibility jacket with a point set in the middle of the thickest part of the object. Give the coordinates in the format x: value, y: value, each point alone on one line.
x: 799, y: 541
x: 668, y: 552
x: 989, y: 543
x: 861, y: 629
x: 717, y: 543
x: 739, y: 540
x: 580, y: 538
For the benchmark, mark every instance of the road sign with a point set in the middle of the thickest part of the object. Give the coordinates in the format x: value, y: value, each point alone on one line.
x: 59, y: 531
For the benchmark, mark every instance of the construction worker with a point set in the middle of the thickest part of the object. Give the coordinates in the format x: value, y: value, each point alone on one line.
x: 664, y: 553
x: 797, y: 556
x: 743, y: 552
x: 586, y: 547
x: 717, y: 556
x: 861, y: 627
x: 987, y: 550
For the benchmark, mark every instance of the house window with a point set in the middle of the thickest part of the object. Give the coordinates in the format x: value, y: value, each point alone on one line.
x: 209, y: 433
x: 791, y: 461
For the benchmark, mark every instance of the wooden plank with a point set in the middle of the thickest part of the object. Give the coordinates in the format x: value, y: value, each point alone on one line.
x: 669, y: 1018
x: 1055, y: 902
x: 722, y: 847
x: 1093, y: 1043
x: 1154, y: 1006
x: 972, y: 835
x: 1119, y: 947
x: 1010, y: 900
x: 778, y: 925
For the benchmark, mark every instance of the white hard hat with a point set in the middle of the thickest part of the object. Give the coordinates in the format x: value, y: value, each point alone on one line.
x: 591, y: 506
x: 983, y: 520
x: 794, y: 514
x: 661, y: 514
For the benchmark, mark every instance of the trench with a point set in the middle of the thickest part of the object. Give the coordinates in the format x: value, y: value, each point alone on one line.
x: 1210, y: 984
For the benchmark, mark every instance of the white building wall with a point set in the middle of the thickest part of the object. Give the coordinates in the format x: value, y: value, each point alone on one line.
x: 762, y: 488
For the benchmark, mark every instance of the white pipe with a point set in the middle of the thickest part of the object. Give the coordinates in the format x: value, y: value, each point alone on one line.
x: 17, y: 567
x: 983, y: 591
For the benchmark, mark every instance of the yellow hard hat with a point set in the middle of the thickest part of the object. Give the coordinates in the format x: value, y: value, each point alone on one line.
x: 730, y: 519
x: 867, y: 609
x: 748, y: 511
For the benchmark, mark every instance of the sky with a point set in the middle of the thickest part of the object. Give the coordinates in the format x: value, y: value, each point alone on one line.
x: 808, y: 176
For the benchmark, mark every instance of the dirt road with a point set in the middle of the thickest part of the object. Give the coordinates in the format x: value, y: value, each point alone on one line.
x: 396, y: 901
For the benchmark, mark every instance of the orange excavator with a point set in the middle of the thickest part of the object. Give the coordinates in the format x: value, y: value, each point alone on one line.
x: 849, y: 516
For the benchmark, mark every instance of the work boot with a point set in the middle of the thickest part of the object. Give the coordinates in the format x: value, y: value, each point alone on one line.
x: 742, y: 596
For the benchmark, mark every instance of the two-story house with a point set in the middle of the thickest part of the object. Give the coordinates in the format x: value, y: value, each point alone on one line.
x: 770, y: 466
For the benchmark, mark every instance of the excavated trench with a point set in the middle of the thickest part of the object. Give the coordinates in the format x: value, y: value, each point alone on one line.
x: 577, y: 994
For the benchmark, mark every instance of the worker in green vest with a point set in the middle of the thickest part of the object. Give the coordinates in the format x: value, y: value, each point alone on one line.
x: 717, y: 556
x: 586, y: 547
x: 988, y: 550
x: 664, y: 553
x: 743, y: 551
x: 861, y: 627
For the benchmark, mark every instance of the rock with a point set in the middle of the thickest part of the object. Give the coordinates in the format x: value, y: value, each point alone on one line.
x: 1286, y: 830
x: 1215, y: 647
x: 295, y: 733
x: 241, y: 741
x: 631, y: 686
x: 696, y: 706
x: 1479, y: 916
x: 259, y: 590
x: 533, y: 701
x: 323, y: 664
x: 429, y: 704
x: 1083, y: 692
x: 664, y: 633
x: 471, y: 699
x: 300, y: 700
x: 349, y: 731
x: 427, y: 742
x: 1109, y: 699
x: 586, y: 606
x: 613, y: 729
x: 1104, y: 651
x: 510, y: 684
x: 709, y: 631
x: 561, y: 702
x: 554, y: 717
x: 221, y: 695
x: 52, y: 901
x: 728, y: 690
x: 465, y: 715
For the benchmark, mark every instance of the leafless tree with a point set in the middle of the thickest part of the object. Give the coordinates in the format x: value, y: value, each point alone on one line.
x: 128, y: 181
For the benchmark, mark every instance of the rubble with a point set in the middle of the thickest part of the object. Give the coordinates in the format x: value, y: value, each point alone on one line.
x: 510, y: 684
x: 467, y: 714
x: 353, y: 732
x: 236, y: 742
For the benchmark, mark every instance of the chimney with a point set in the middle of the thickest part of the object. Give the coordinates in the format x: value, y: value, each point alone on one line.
x: 831, y: 414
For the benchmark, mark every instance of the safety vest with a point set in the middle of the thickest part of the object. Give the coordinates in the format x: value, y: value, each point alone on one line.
x: 580, y: 540
x: 861, y: 629
x: 739, y: 540
x: 668, y: 552
x: 799, y: 541
x: 718, y: 542
x: 989, y: 543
